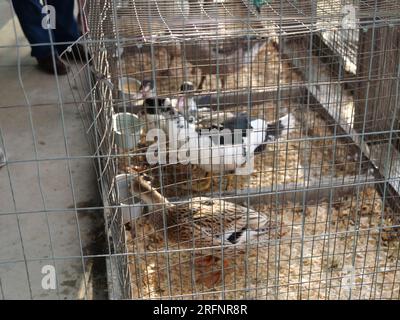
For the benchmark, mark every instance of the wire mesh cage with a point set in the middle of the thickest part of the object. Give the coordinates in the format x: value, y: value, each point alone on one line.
x: 245, y: 151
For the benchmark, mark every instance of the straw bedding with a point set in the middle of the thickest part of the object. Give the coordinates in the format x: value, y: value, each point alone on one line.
x: 346, y: 248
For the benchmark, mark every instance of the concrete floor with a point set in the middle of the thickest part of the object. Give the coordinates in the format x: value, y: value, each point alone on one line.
x: 41, y: 185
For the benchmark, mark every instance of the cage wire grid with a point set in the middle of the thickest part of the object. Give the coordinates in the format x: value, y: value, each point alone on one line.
x: 322, y: 196
x: 16, y: 255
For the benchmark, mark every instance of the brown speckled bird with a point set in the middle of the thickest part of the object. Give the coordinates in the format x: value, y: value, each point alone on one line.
x: 204, y: 223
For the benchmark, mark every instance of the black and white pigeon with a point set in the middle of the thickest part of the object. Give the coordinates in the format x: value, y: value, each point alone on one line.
x: 241, y: 123
x: 232, y: 145
x: 180, y: 110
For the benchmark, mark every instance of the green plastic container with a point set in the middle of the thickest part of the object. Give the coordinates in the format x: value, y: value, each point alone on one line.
x: 127, y: 130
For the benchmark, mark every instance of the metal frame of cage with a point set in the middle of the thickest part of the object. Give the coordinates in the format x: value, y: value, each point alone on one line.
x: 317, y: 91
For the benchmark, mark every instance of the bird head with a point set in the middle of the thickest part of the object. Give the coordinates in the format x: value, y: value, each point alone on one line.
x: 181, y: 105
x: 186, y: 102
x: 157, y: 105
x: 187, y: 86
x: 146, y: 88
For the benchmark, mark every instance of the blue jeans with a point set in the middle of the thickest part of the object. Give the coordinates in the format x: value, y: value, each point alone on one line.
x: 30, y: 16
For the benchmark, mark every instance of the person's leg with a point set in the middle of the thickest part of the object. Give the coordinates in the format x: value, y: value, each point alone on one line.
x: 30, y: 16
x: 67, y: 30
x: 66, y: 25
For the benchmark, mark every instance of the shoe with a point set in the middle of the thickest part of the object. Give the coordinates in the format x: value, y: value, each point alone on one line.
x: 47, y: 65
x: 78, y: 53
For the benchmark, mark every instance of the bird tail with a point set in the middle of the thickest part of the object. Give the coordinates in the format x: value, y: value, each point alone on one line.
x: 280, y: 128
x: 248, y: 235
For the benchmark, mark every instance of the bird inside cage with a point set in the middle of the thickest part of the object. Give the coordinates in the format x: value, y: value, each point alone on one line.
x: 157, y: 111
x: 186, y: 104
x: 223, y: 147
x: 234, y: 143
x: 222, y: 46
x: 207, y: 223
x: 147, y: 88
x: 226, y: 148
x: 220, y: 57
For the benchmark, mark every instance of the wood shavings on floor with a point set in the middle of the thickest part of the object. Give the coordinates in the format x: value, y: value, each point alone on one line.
x: 328, y: 153
x: 317, y: 262
x: 313, y: 260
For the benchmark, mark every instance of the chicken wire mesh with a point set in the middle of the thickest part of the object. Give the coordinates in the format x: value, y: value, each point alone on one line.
x: 275, y: 173
x: 51, y: 225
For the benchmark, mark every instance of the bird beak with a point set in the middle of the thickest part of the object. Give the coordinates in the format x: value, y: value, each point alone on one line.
x: 181, y: 104
x: 145, y: 90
